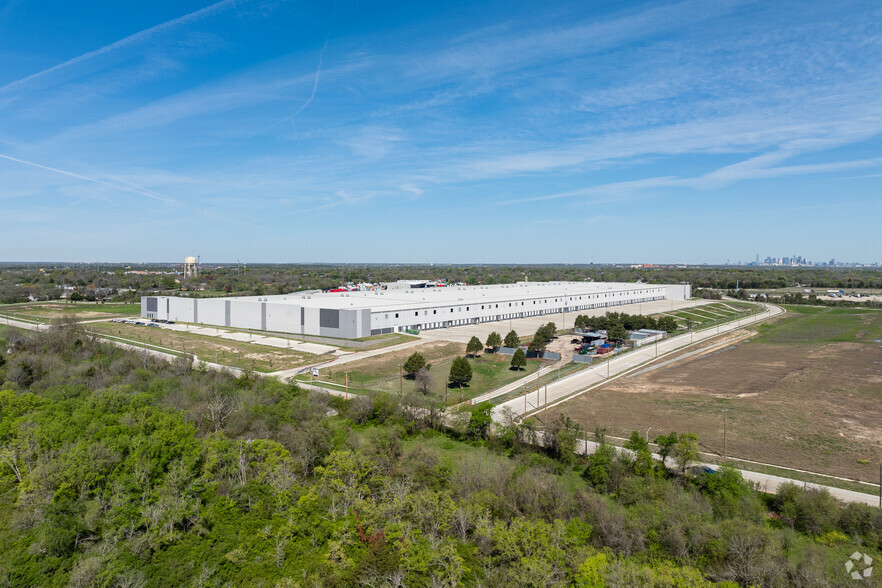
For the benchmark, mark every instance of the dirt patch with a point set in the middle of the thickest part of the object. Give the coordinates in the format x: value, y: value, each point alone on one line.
x: 813, y: 407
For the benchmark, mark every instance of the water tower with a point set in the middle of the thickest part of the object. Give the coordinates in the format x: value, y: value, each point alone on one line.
x: 191, y: 268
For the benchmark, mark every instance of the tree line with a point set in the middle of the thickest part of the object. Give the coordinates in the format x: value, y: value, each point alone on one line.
x: 120, y: 469
x: 619, y: 324
x: 17, y: 283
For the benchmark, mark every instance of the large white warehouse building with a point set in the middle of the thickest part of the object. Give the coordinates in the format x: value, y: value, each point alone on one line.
x: 359, y: 314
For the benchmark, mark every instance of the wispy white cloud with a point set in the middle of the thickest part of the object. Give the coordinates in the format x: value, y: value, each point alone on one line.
x: 755, y: 168
x: 63, y: 70
x: 127, y: 186
x: 412, y: 189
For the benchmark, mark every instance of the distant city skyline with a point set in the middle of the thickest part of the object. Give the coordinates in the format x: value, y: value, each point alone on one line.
x: 454, y: 132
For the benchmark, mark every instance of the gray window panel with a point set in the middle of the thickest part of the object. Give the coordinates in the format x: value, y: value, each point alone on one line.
x: 329, y: 318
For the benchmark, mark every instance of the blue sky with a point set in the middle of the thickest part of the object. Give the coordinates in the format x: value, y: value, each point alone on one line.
x: 505, y: 132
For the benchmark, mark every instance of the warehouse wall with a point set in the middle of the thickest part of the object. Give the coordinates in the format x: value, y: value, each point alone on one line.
x: 436, y: 315
x: 283, y: 317
x: 263, y: 313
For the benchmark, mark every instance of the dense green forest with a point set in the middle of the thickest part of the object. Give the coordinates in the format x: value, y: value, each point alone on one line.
x: 17, y: 282
x: 120, y: 470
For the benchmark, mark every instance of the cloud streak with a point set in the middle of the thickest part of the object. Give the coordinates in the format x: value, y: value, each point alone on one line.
x: 144, y: 36
x: 129, y: 187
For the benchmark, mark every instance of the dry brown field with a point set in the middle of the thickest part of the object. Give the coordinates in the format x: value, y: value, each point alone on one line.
x: 804, y: 392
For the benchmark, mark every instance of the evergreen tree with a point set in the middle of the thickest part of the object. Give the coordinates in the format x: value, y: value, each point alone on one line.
x: 460, y: 372
x: 494, y: 341
x: 512, y: 339
x: 474, y: 346
x: 415, y: 363
x: 519, y: 359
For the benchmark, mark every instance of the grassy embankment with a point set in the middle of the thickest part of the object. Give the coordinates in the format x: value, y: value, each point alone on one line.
x: 237, y: 354
x: 381, y: 373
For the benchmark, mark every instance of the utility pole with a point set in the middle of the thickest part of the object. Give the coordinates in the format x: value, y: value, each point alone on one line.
x: 347, y: 385
x: 725, y: 436
x: 546, y: 399
x: 647, y: 434
x: 400, y: 382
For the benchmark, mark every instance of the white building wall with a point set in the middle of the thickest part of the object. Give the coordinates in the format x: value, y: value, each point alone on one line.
x: 273, y: 314
x: 210, y: 311
x: 244, y: 314
x: 452, y: 314
x: 283, y: 317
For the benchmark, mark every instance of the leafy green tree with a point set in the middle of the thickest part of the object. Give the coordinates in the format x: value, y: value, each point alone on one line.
x: 561, y: 438
x: 667, y: 323
x: 480, y: 421
x: 599, y: 465
x: 519, y: 359
x: 617, y: 332
x: 685, y: 451
x: 512, y: 339
x: 729, y: 494
x: 415, y: 363
x: 460, y: 372
x: 474, y: 346
x: 666, y: 445
x: 494, y: 341
x: 538, y: 343
x: 642, y: 459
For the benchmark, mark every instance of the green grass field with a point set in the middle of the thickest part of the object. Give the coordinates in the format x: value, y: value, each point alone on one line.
x: 382, y: 373
x: 808, y: 325
x: 47, y: 311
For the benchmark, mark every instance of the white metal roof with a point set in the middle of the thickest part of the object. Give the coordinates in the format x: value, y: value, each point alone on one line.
x: 379, y: 300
